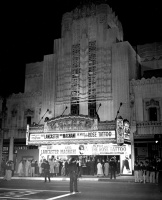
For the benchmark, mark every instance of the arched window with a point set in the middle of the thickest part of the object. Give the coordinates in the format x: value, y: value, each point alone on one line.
x: 153, y: 110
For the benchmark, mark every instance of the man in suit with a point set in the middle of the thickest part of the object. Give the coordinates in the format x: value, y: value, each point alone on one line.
x: 73, y: 175
x: 46, y: 169
x: 113, y: 168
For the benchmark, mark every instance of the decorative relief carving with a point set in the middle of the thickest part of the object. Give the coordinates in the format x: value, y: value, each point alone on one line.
x: 152, y: 102
x: 25, y: 95
x: 29, y: 112
x: 71, y: 123
x: 144, y: 81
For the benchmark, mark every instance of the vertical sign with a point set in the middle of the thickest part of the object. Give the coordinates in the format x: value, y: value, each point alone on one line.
x: 27, y: 134
x: 119, y: 131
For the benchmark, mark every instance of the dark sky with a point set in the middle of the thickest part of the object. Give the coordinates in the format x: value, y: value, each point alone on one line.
x: 28, y: 31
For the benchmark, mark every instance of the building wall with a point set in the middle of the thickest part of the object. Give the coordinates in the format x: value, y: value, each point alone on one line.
x: 145, y: 90
x: 33, y: 77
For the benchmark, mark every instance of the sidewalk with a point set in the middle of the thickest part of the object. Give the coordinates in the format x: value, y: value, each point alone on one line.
x: 83, y: 178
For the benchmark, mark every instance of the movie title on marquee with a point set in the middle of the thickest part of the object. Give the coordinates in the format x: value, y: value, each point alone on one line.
x: 72, y: 135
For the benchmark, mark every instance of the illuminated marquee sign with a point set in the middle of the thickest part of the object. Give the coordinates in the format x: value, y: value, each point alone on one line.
x: 72, y: 135
x: 82, y: 149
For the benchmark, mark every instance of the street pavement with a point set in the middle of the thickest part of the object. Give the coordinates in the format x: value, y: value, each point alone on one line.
x: 34, y: 188
x: 83, y: 178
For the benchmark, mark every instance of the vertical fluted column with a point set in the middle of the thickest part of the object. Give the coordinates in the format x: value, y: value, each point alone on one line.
x: 11, y: 147
x: 133, y: 130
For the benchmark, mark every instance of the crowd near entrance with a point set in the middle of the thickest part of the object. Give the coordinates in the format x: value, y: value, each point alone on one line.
x: 86, y: 164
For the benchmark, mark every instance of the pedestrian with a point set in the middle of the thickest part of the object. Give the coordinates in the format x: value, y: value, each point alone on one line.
x: 99, y: 169
x: 106, y: 168
x: 158, y: 163
x: 73, y: 175
x: 160, y: 175
x: 33, y: 168
x: 8, y: 173
x: 20, y: 168
x: 12, y: 167
x: 92, y: 166
x: 36, y: 168
x: 56, y: 168
x: 113, y: 168
x: 27, y: 164
x: 51, y: 163
x: 136, y: 172
x: 46, y: 169
x: 152, y: 172
x: 66, y: 168
x: 147, y: 171
x: 141, y: 168
x: 144, y: 173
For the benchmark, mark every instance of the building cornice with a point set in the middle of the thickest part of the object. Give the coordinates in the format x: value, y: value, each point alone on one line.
x: 144, y: 81
x: 25, y: 95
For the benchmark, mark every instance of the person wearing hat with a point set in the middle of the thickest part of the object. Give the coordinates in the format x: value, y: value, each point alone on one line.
x: 113, y: 167
x: 72, y: 167
x: 46, y: 168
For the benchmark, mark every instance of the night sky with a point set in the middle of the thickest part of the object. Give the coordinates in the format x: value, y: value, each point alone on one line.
x: 28, y: 31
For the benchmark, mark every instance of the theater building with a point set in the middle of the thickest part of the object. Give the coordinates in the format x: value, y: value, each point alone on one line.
x: 72, y: 99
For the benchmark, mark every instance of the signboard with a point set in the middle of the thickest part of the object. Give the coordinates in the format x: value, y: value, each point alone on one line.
x: 83, y: 149
x: 126, y: 163
x: 119, y: 131
x: 72, y: 135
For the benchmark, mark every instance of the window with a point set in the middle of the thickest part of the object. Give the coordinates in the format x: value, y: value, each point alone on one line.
x: 92, y: 109
x: 152, y: 110
x: 75, y: 109
x: 152, y: 114
x: 29, y: 120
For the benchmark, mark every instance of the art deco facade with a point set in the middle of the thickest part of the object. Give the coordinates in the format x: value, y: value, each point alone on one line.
x: 91, y: 71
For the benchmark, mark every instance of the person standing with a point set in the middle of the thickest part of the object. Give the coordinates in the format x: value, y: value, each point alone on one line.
x: 56, y: 168
x: 73, y: 175
x: 33, y: 168
x: 136, y: 172
x: 152, y: 172
x: 51, y: 163
x: 99, y: 169
x: 46, y: 169
x: 113, y: 168
x: 20, y: 168
x: 106, y: 168
x: 8, y: 174
x: 66, y: 168
x: 160, y: 175
x: 27, y: 164
x: 12, y: 167
x: 147, y: 171
x: 92, y: 166
x: 141, y: 172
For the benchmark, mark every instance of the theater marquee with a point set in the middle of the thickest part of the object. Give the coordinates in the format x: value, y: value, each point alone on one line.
x: 71, y: 135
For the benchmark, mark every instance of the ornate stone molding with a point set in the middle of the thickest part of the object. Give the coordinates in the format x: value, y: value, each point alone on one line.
x: 25, y: 95
x: 34, y: 75
x: 144, y: 81
x: 149, y: 123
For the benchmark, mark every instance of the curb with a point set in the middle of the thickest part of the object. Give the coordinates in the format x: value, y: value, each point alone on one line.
x: 80, y: 179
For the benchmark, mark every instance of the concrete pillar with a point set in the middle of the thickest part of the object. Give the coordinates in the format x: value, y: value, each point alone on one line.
x: 11, y: 147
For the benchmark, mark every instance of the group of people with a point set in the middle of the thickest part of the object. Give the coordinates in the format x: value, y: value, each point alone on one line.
x: 106, y: 167
x: 148, y: 171
x: 28, y: 168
